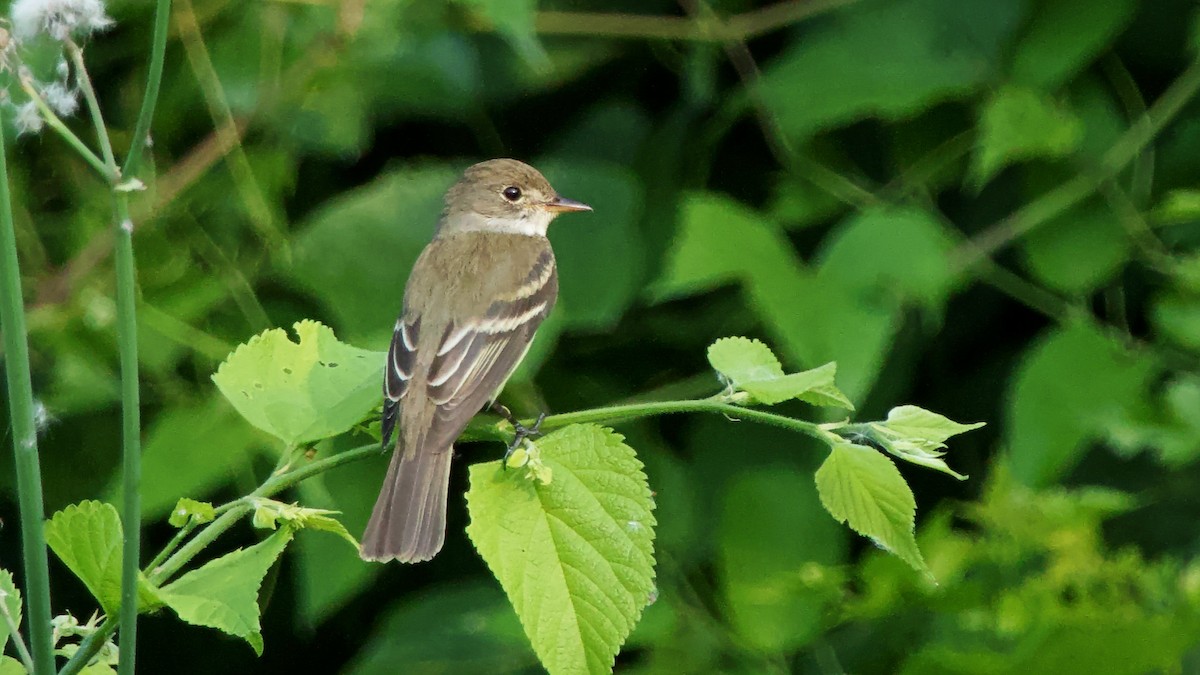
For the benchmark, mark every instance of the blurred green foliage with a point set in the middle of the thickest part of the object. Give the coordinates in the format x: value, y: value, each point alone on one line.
x: 989, y: 209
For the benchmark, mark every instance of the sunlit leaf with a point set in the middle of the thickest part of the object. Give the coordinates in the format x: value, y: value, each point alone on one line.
x: 301, y: 391
x: 191, y: 510
x: 575, y: 555
x: 862, y: 488
x: 223, y: 593
x: 87, y: 537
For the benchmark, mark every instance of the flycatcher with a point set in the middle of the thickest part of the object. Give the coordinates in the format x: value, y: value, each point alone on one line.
x: 471, y: 306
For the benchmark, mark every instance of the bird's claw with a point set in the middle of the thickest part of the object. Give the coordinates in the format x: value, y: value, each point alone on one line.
x: 522, y: 433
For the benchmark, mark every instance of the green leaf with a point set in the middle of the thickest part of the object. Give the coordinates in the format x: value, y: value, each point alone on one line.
x: 10, y: 604
x: 1080, y: 250
x: 190, y: 509
x: 87, y: 538
x: 721, y: 242
x: 1178, y: 206
x: 907, y: 55
x: 223, y: 594
x: 464, y: 627
x: 920, y: 424
x: 863, y: 488
x: 743, y: 360
x: 11, y: 666
x: 575, y: 556
x: 750, y: 366
x: 337, y: 248
x: 1072, y: 382
x: 776, y: 554
x: 895, y: 254
x: 917, y: 435
x: 601, y: 259
x: 1063, y: 36
x: 268, y: 513
x: 1019, y: 124
x: 301, y: 392
x: 1176, y: 317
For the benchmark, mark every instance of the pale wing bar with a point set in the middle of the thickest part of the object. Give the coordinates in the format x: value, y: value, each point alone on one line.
x: 402, y: 356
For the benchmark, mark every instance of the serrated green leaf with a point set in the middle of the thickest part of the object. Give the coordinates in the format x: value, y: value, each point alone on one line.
x: 10, y: 605
x: 305, y: 391
x: 190, y: 509
x: 575, y: 556
x: 863, y: 488
x: 11, y: 666
x: 917, y: 423
x: 223, y: 594
x: 87, y: 538
x: 743, y: 360
x: 1020, y: 124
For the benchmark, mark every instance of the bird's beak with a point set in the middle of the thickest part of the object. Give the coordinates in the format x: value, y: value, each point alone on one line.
x: 564, y: 205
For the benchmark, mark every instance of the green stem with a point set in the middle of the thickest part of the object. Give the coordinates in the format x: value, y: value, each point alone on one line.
x: 131, y: 450
x: 24, y: 433
x: 623, y: 413
x: 15, y: 633
x: 1068, y: 194
x: 158, y: 50
x: 93, y: 104
x: 69, y: 136
x: 89, y: 646
x: 162, y: 569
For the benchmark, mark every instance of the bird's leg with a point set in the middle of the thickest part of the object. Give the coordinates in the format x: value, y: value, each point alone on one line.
x: 522, y: 432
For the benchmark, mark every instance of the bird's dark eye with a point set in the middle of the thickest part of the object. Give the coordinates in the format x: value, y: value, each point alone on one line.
x: 512, y: 193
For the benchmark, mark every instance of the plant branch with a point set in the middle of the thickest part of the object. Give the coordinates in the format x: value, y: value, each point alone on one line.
x: 1068, y: 194
x: 14, y: 632
x: 67, y: 135
x: 24, y: 433
x: 93, y: 104
x: 164, y: 566
x: 158, y: 49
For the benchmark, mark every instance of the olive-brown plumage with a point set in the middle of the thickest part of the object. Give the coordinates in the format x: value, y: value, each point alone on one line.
x: 473, y: 301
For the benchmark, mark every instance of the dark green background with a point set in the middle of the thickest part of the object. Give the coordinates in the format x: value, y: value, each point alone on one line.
x: 827, y: 210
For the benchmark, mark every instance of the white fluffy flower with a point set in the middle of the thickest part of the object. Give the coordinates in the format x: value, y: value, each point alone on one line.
x: 28, y: 120
x: 61, y: 98
x: 60, y: 19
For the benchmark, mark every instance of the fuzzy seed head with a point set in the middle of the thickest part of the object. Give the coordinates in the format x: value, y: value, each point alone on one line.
x: 60, y: 19
x: 28, y: 120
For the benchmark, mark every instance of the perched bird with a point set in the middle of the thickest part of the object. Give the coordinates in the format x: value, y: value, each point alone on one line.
x: 471, y: 306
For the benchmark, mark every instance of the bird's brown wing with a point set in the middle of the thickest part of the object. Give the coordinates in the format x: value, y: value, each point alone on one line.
x: 476, y: 356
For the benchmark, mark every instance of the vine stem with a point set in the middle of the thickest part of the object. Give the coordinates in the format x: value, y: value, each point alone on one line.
x: 24, y: 434
x: 1053, y: 203
x: 165, y: 566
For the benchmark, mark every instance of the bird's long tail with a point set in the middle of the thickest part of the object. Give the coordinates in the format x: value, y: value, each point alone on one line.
x: 409, y: 520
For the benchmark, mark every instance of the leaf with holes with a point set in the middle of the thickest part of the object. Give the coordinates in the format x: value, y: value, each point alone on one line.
x: 576, y: 555
x: 301, y: 392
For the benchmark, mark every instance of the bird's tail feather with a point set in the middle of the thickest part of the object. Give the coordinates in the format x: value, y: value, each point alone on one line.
x: 409, y: 520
